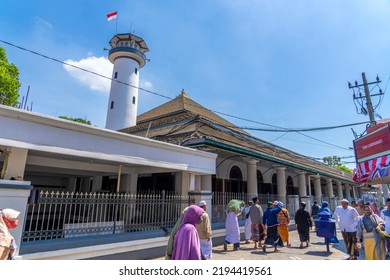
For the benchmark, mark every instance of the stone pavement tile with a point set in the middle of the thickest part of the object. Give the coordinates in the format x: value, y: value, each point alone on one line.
x: 316, y: 251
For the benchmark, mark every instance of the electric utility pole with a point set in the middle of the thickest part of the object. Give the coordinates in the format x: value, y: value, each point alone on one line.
x: 366, y: 108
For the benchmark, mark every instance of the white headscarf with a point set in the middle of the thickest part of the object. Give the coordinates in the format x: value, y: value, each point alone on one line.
x: 5, y: 236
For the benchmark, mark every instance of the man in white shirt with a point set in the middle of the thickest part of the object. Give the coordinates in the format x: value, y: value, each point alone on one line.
x: 346, y: 218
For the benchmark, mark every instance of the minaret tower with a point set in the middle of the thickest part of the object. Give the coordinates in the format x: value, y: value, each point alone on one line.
x: 128, y: 56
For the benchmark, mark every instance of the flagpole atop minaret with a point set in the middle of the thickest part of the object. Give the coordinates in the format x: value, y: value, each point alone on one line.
x: 112, y: 16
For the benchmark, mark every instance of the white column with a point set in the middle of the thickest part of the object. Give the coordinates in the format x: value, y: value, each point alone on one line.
x: 354, y: 191
x: 252, y: 176
x: 302, y: 184
x: 281, y: 178
x: 317, y: 187
x: 345, y: 190
x: 349, y: 192
x: 329, y: 188
x: 339, y: 189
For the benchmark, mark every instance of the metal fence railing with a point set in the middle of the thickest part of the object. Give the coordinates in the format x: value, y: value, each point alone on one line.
x: 58, y: 215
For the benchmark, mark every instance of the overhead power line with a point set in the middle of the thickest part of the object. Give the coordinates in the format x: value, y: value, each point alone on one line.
x: 304, y: 129
x: 277, y: 128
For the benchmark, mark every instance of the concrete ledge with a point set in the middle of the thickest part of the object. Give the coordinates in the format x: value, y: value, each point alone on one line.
x: 144, y: 249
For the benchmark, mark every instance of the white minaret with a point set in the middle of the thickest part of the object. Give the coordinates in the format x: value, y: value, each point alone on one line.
x: 128, y: 56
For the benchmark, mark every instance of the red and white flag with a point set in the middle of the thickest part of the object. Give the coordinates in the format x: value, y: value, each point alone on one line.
x: 112, y: 16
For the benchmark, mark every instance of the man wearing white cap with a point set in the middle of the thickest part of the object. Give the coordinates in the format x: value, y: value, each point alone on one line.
x: 9, y: 219
x: 346, y: 218
x: 204, y: 232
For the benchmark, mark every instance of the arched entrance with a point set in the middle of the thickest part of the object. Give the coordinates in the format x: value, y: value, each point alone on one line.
x: 235, y: 182
x: 291, y: 190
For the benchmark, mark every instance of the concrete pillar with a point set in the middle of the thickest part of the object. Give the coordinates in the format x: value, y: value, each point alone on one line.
x: 348, y: 192
x: 329, y: 188
x: 355, y: 192
x: 14, y: 195
x: 14, y: 163
x: 317, y: 188
x: 252, y: 177
x: 339, y: 189
x: 345, y: 190
x: 302, y: 184
x: 281, y: 184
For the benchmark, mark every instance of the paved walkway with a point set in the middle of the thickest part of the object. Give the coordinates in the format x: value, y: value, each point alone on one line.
x: 316, y: 251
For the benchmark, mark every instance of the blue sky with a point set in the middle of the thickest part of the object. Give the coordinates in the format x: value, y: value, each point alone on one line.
x: 277, y: 63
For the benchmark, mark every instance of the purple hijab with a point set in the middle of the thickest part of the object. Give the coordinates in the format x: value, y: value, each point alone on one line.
x: 186, y: 243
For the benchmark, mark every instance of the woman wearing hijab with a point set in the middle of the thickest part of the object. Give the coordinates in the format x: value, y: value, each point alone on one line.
x: 325, y: 208
x: 284, y: 222
x: 368, y: 225
x: 374, y: 209
x: 168, y: 253
x: 8, y: 220
x: 186, y: 241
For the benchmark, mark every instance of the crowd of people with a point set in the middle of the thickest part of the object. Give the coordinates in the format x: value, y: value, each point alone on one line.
x: 359, y: 224
x: 362, y: 226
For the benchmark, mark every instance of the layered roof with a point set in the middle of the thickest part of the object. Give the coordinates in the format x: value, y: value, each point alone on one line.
x: 182, y: 121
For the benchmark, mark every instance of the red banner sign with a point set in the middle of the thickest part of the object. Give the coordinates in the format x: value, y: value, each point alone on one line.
x: 373, y: 145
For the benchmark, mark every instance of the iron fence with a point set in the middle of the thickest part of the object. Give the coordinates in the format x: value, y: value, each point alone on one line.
x: 58, y: 215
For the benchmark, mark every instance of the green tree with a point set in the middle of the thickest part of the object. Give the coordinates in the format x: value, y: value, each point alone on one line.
x: 80, y: 120
x: 335, y: 162
x: 332, y: 160
x: 344, y: 168
x: 9, y: 81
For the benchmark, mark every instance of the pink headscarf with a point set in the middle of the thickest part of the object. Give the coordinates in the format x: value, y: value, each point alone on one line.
x: 375, y: 209
x: 186, y: 241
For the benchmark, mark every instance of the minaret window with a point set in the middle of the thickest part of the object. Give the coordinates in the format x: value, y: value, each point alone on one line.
x: 116, y: 75
x: 133, y: 99
x: 136, y: 71
x: 112, y: 105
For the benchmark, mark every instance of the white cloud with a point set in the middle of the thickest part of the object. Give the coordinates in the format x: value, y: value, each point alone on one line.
x: 146, y: 85
x: 99, y: 65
